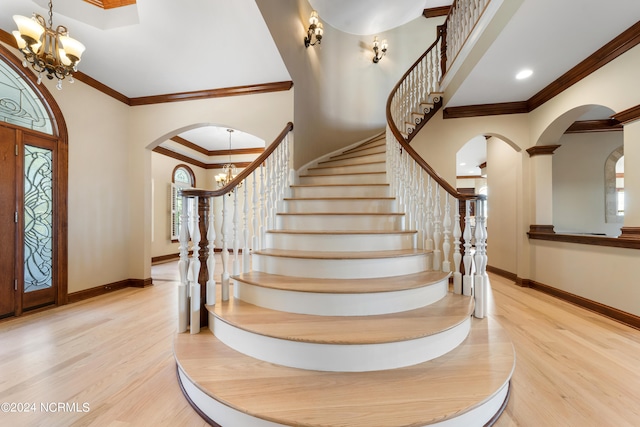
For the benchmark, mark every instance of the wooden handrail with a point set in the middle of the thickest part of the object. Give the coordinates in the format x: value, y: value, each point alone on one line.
x: 405, y: 145
x: 245, y: 172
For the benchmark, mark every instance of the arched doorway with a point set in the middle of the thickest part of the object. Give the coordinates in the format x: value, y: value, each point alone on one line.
x: 33, y: 190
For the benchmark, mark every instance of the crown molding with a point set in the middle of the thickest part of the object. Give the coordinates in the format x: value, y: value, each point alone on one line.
x: 610, y: 51
x: 8, y: 38
x: 628, y: 115
x: 586, y: 126
x: 194, y: 162
x: 201, y: 150
x: 434, y: 12
x: 541, y: 150
x: 502, y: 108
x: 213, y: 93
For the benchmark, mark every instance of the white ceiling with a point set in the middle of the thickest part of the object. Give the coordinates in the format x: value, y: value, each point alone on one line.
x: 167, y: 46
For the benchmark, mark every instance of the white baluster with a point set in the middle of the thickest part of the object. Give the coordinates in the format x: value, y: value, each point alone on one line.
x: 183, y: 267
x: 211, y: 260
x: 428, y: 243
x: 421, y: 215
x: 480, y: 294
x: 437, y: 233
x: 225, y: 251
x: 263, y: 212
x: 246, y: 263
x: 195, y: 271
x: 255, y: 219
x: 446, y: 245
x: 236, y: 240
x: 467, y: 285
x: 457, y: 256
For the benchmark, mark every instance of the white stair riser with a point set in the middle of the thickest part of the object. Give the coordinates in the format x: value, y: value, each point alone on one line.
x: 341, y: 268
x: 340, y: 243
x: 347, y: 222
x: 361, y: 178
x: 342, y: 205
x: 355, y: 160
x: 366, y: 167
x: 340, y: 357
x: 362, y: 151
x: 334, y: 304
x: 341, y: 191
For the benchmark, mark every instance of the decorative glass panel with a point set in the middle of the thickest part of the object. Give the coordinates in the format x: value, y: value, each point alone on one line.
x: 183, y: 176
x: 38, y: 218
x: 19, y: 105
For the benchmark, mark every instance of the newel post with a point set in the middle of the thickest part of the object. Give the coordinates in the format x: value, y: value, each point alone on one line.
x: 204, y: 210
x: 442, y: 30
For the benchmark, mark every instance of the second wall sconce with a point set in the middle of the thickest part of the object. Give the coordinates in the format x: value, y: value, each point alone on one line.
x: 315, y: 31
x: 379, y: 49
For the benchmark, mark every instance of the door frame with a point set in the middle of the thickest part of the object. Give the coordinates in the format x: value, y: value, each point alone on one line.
x: 60, y: 139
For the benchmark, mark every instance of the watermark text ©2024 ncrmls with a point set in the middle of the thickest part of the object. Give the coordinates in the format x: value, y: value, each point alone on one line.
x: 49, y: 407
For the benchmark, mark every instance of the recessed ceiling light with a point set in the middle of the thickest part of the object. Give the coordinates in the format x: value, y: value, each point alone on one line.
x: 463, y: 164
x: 524, y: 74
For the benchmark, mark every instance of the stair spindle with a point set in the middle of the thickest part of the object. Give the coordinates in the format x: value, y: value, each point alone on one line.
x: 457, y: 256
x: 225, y: 251
x: 211, y: 260
x: 183, y: 266
x: 194, y: 266
x: 246, y: 263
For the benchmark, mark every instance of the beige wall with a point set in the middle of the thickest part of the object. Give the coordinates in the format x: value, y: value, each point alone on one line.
x: 578, y: 182
x: 503, y: 168
x: 110, y: 170
x: 340, y: 93
x: 605, y: 273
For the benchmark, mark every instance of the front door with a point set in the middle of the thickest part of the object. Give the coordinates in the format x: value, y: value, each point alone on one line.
x: 27, y: 207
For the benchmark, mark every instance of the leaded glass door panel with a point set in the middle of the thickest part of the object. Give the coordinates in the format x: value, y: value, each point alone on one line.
x: 37, y: 219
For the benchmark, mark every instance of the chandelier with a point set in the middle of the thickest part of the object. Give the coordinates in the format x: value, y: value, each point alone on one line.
x: 47, y: 49
x: 229, y: 170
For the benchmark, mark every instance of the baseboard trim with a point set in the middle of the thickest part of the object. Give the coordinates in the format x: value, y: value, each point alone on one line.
x: 605, y: 310
x: 172, y: 257
x: 108, y: 288
x: 602, y: 309
x: 503, y: 273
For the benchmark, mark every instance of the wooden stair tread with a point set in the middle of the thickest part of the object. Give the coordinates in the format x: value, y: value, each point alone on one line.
x: 342, y: 286
x: 422, y: 394
x: 340, y: 185
x: 342, y: 232
x: 339, y: 198
x: 350, y: 156
x: 372, y: 144
x: 343, y: 174
x: 437, y: 317
x: 348, y: 166
x: 342, y: 255
x: 341, y: 213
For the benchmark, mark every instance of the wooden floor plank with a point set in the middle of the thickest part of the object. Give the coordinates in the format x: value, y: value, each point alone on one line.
x: 574, y: 368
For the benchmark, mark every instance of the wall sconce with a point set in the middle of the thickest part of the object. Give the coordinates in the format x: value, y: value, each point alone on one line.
x: 380, y: 49
x: 315, y: 30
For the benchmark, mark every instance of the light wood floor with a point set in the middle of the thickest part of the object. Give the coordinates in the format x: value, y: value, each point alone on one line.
x: 574, y: 367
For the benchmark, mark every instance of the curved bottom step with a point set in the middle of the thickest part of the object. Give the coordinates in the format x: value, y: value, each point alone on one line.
x: 468, y: 386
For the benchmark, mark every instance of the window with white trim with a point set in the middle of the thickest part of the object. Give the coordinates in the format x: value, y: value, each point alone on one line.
x: 182, y: 178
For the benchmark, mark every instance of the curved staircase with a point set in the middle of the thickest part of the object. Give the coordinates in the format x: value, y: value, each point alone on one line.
x: 341, y: 321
